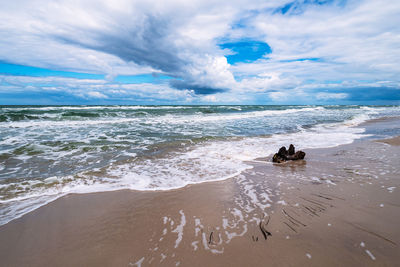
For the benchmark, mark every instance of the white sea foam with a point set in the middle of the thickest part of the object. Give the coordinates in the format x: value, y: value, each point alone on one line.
x: 210, y: 161
x: 179, y: 229
x: 391, y: 189
x: 198, y: 163
x: 139, y: 262
x: 233, y: 116
x: 370, y: 254
x: 78, y: 123
x: 194, y: 245
x: 170, y: 119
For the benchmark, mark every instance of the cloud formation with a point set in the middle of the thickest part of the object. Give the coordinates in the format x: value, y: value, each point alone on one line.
x: 309, y: 51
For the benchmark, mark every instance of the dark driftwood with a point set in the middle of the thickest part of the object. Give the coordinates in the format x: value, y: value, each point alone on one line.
x: 285, y: 155
x: 263, y: 230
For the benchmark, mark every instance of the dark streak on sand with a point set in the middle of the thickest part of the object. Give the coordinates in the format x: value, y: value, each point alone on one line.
x: 327, y: 198
x: 294, y: 230
x: 332, y: 196
x: 372, y: 233
x: 210, y: 240
x: 299, y: 222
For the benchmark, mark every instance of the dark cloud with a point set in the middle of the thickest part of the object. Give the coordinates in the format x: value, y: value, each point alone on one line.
x: 197, y: 88
x: 147, y: 44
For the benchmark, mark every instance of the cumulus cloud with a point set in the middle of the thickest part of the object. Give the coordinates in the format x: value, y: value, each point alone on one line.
x: 96, y: 94
x: 83, y: 90
x: 120, y: 37
x: 329, y: 96
x: 319, y: 50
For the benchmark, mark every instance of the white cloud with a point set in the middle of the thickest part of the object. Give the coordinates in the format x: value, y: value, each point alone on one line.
x: 210, y: 98
x: 95, y: 94
x: 330, y: 96
x: 279, y: 96
x: 350, y: 45
x: 95, y: 89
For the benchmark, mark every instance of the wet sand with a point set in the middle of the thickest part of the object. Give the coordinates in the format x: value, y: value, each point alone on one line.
x: 395, y: 141
x: 340, y: 207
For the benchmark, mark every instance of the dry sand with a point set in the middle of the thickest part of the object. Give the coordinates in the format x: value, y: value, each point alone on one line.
x: 340, y: 207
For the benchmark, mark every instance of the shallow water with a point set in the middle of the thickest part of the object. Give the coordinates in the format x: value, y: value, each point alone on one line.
x: 50, y: 151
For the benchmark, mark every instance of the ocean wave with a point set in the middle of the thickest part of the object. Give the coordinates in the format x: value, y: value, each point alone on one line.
x: 206, y: 161
x: 254, y: 114
x: 91, y: 118
x: 156, y: 150
x: 62, y: 108
x: 64, y: 123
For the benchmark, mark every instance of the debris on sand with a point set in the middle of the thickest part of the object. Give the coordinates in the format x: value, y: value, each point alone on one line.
x: 284, y: 155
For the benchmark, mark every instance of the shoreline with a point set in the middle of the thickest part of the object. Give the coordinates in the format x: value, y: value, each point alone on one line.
x: 394, y: 141
x: 315, y: 210
x: 36, y: 192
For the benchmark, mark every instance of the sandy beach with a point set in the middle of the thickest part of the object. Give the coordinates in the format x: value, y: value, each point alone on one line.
x: 339, y: 207
x: 199, y: 133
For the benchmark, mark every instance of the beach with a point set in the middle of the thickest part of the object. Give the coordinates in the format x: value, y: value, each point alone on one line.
x: 338, y: 207
x: 199, y: 133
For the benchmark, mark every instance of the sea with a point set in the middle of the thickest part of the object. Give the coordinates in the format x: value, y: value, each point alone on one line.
x: 50, y: 151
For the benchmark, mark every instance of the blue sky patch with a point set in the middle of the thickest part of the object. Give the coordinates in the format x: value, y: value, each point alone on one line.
x: 246, y: 51
x: 21, y: 70
x: 13, y: 69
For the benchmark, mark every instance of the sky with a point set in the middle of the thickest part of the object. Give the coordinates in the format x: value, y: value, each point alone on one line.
x: 129, y: 52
